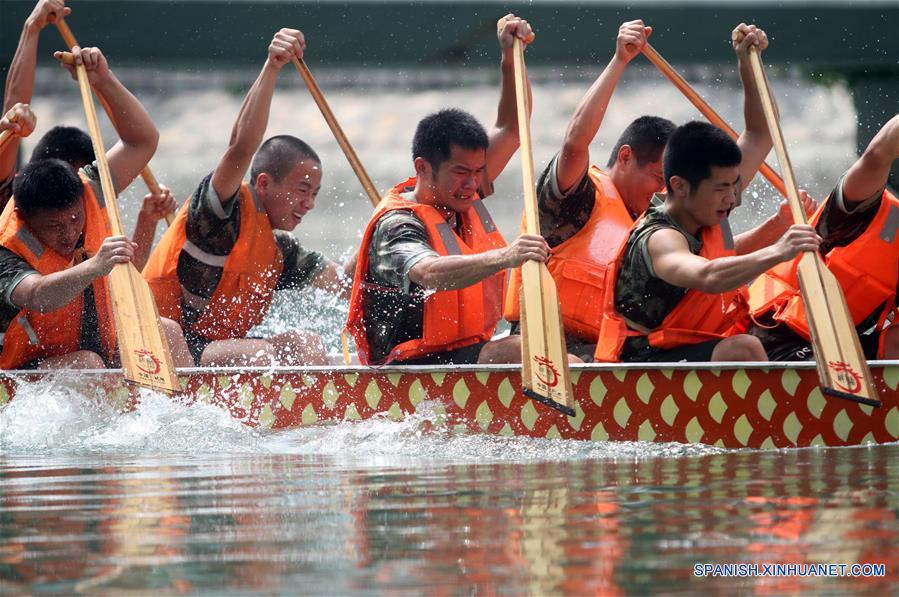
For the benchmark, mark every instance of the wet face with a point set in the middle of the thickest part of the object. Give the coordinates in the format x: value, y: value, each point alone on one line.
x: 59, y: 229
x: 287, y: 201
x: 715, y: 196
x: 455, y: 183
x: 644, y: 182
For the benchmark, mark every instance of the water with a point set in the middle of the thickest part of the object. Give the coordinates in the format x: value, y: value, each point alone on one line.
x: 174, y: 499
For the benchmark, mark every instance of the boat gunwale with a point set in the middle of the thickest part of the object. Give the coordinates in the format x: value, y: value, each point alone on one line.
x: 475, y: 368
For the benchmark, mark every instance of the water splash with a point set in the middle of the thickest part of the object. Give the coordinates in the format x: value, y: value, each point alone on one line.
x: 51, y: 419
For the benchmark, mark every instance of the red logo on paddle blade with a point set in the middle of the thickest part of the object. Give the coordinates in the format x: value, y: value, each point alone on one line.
x: 846, y: 377
x: 147, y: 361
x: 546, y: 372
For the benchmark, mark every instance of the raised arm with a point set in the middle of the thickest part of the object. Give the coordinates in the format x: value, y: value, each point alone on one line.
x: 19, y: 120
x: 575, y: 156
x: 674, y: 263
x: 252, y: 120
x: 138, y: 136
x: 868, y: 175
x: 20, y: 79
x: 460, y: 271
x: 755, y: 140
x: 504, y: 134
x: 155, y: 207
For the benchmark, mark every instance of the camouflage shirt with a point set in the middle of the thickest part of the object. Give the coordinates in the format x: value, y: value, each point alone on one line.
x: 640, y: 296
x: 393, y: 305
x: 213, y: 226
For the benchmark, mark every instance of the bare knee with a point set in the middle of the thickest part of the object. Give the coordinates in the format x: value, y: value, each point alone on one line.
x: 742, y: 347
x: 80, y: 359
x: 505, y: 350
x: 181, y: 356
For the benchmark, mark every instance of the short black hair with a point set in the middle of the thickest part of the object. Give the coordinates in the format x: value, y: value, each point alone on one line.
x: 437, y: 132
x: 279, y: 155
x: 66, y: 143
x: 646, y: 136
x: 692, y: 151
x: 46, y: 184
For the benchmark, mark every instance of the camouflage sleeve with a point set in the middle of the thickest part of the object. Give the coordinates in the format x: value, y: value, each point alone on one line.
x: 562, y: 213
x: 400, y: 240
x: 301, y: 265
x: 213, y: 225
x: 12, y: 269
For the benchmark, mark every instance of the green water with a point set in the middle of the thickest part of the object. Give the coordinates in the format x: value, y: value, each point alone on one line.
x: 171, y: 499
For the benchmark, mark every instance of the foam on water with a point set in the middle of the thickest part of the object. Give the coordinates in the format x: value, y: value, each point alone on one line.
x: 49, y: 418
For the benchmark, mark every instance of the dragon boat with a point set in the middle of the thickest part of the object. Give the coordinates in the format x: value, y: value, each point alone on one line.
x: 731, y: 405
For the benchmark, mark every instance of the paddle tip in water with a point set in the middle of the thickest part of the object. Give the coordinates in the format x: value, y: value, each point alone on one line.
x: 549, y: 402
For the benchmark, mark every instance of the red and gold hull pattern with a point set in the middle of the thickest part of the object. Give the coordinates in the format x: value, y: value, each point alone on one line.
x: 773, y: 407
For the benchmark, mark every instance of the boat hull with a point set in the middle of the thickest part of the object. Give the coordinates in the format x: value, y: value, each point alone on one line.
x: 728, y: 406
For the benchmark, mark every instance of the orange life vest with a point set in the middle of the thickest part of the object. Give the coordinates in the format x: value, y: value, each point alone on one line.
x: 698, y: 316
x: 580, y: 264
x: 867, y: 270
x: 250, y: 273
x: 452, y: 318
x: 33, y: 335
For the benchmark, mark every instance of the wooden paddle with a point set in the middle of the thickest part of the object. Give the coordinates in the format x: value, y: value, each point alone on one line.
x: 544, y: 356
x: 707, y: 111
x: 143, y: 348
x: 841, y: 364
x: 342, y: 140
x: 146, y: 173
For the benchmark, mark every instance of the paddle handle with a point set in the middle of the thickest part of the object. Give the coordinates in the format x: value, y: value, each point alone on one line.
x: 146, y: 174
x: 342, y: 140
x: 703, y: 106
x: 780, y: 147
x: 531, y: 220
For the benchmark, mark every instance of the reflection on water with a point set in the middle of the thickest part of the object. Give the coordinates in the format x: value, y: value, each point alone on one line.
x: 177, y: 499
x: 283, y: 523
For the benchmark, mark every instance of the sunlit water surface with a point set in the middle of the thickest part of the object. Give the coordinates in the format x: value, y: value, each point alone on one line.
x: 180, y: 499
x: 173, y: 499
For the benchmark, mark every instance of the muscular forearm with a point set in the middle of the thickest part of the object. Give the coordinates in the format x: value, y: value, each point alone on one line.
x: 55, y: 290
x: 252, y: 120
x: 729, y: 273
x: 144, y: 232
x: 19, y: 88
x: 457, y: 271
x: 504, y: 138
x: 590, y: 111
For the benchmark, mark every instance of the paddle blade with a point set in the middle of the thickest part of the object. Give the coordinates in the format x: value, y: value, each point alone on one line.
x: 143, y: 349
x: 840, y: 360
x: 544, y: 358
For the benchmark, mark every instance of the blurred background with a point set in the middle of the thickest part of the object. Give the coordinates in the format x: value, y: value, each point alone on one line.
x: 833, y: 66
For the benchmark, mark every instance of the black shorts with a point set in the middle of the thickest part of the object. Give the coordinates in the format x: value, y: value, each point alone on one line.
x: 467, y: 355
x: 196, y: 345
x: 691, y: 353
x: 782, y: 344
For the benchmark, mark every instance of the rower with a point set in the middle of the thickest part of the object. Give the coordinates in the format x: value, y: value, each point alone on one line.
x: 429, y: 285
x: 859, y: 222
x: 679, y: 291
x: 70, y: 144
x: 586, y: 212
x: 230, y: 248
x: 55, y: 248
